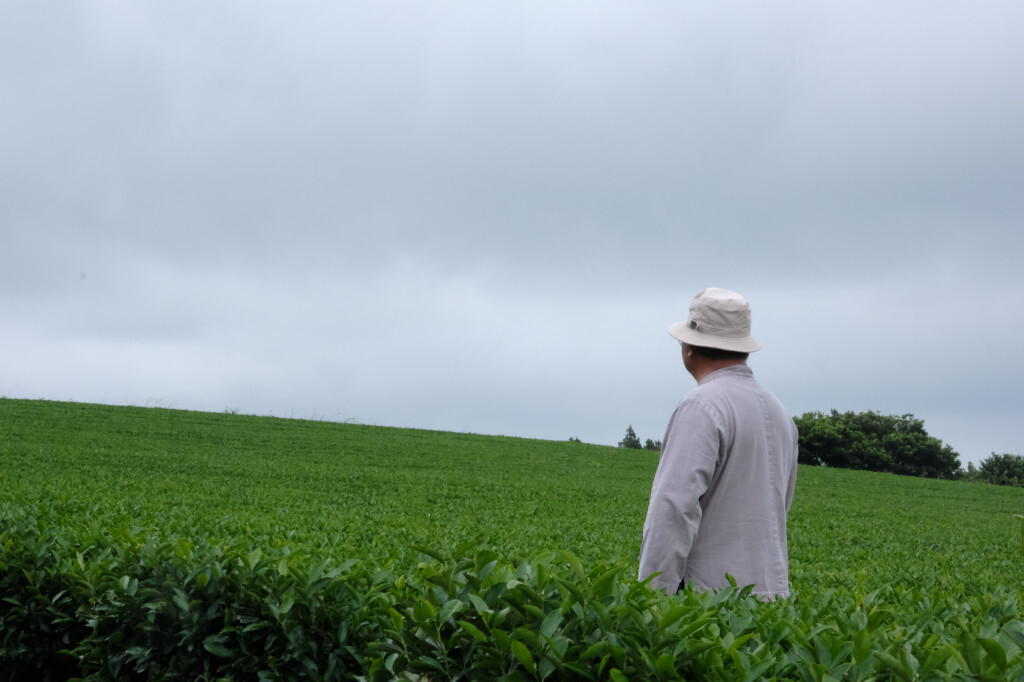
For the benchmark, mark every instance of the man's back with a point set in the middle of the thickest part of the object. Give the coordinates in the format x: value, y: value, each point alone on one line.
x: 723, y: 488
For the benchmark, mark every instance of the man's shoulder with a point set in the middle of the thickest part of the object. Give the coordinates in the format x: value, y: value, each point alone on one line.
x: 706, y: 398
x: 730, y: 386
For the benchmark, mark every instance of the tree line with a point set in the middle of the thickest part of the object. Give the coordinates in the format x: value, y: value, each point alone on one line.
x: 897, y: 444
x: 632, y: 441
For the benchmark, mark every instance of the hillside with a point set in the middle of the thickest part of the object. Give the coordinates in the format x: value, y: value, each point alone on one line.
x: 184, y: 486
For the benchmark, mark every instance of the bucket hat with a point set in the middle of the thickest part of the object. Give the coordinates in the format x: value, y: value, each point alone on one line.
x: 719, y: 318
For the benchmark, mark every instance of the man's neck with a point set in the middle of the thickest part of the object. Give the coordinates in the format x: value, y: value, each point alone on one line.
x: 708, y: 366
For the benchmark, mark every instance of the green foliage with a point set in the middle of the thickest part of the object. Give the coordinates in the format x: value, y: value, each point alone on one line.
x: 630, y: 440
x: 121, y: 610
x: 157, y: 544
x: 1004, y: 469
x: 875, y: 442
x: 119, y: 606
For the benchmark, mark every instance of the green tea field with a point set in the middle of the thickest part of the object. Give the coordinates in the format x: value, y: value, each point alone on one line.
x: 155, y: 544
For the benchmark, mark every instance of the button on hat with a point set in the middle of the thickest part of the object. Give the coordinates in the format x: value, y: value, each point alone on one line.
x: 719, y: 318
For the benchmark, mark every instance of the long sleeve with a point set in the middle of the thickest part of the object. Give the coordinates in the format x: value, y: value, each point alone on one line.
x: 690, y: 451
x: 793, y: 457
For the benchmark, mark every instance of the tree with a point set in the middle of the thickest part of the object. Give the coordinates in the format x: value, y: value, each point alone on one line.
x: 652, y: 445
x: 1004, y: 469
x: 630, y: 441
x: 876, y: 442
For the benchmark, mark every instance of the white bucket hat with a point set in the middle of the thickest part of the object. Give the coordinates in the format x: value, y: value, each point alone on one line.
x: 718, y: 319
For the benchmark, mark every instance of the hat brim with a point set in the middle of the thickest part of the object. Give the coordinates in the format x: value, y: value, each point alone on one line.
x: 743, y: 344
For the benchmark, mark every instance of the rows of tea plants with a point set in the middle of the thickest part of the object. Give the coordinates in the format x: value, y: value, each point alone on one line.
x: 159, y: 544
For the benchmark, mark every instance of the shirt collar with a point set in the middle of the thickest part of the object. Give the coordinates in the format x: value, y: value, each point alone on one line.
x: 732, y: 371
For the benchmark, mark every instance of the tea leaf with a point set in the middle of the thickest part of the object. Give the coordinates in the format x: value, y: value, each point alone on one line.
x: 522, y: 654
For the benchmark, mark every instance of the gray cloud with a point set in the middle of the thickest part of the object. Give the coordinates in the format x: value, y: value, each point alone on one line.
x: 482, y: 218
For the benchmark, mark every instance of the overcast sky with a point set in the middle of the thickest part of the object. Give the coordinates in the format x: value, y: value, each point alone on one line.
x: 482, y: 216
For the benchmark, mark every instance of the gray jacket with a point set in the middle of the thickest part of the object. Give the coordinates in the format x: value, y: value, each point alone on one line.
x: 723, y: 489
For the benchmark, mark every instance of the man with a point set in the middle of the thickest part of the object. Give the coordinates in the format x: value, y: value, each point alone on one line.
x: 727, y: 471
